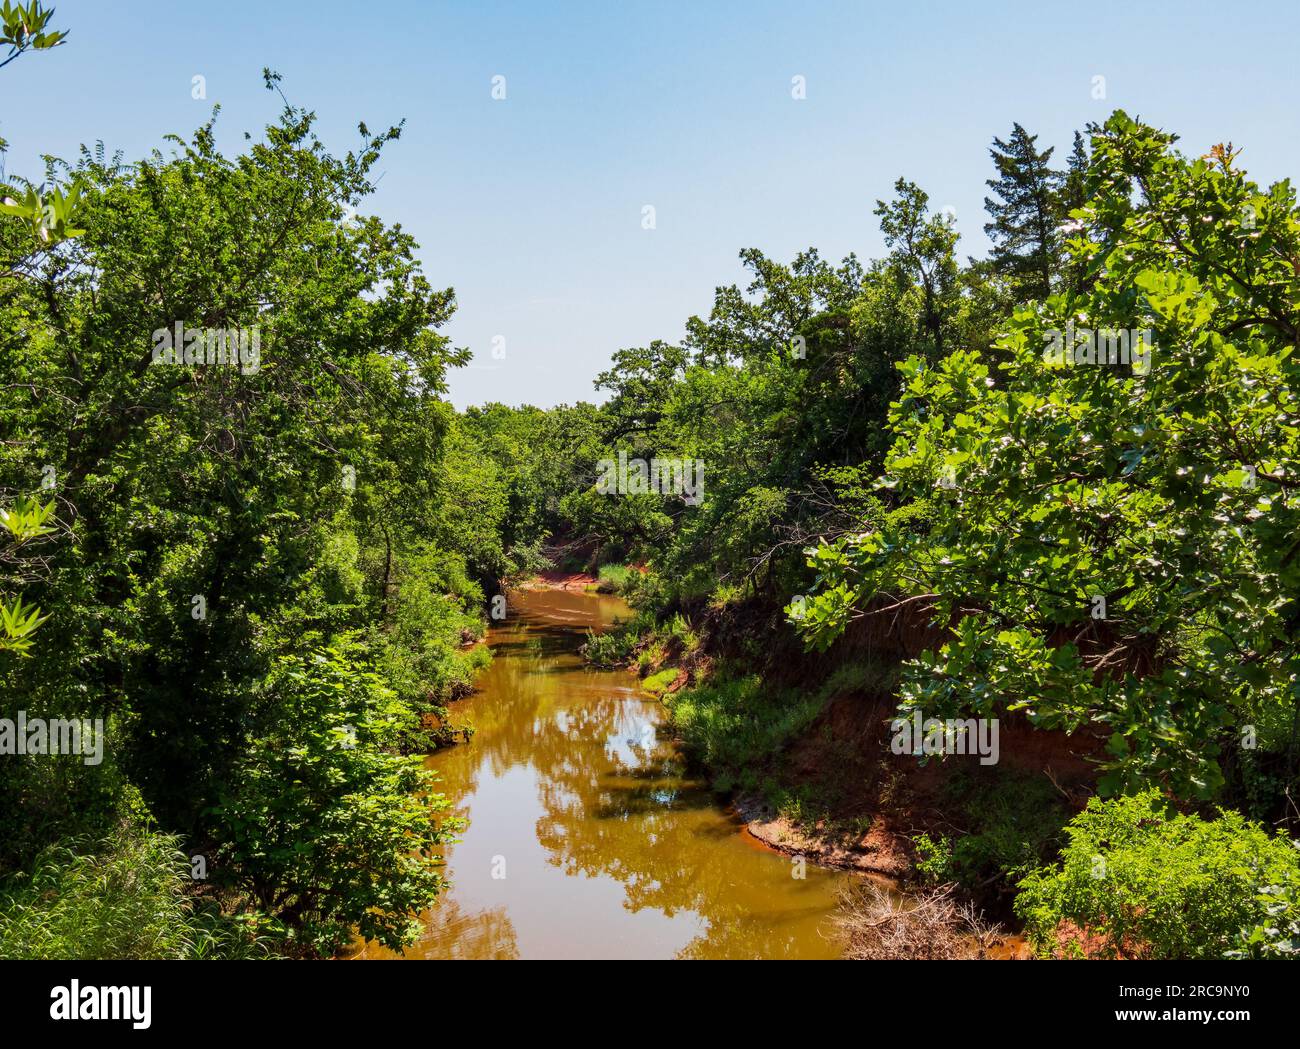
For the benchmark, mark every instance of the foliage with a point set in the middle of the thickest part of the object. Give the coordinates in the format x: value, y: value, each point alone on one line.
x: 934, y: 860
x: 609, y: 648
x: 214, y: 534
x: 320, y: 823
x: 1012, y: 822
x: 25, y: 520
x: 1169, y: 495
x: 1138, y: 881
x: 731, y: 725
x: 125, y: 899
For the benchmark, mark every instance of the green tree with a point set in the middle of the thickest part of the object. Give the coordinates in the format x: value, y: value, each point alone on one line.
x: 1073, y: 196
x: 1113, y: 545
x: 219, y: 517
x: 1025, y: 214
x: 324, y: 826
x: 922, y: 248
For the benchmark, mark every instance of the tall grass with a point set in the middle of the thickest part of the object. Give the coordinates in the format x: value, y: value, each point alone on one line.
x: 126, y: 899
x: 616, y: 579
x: 732, y: 725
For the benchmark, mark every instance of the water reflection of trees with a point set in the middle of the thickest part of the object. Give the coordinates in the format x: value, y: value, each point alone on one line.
x: 625, y: 812
x: 454, y: 933
x: 616, y: 805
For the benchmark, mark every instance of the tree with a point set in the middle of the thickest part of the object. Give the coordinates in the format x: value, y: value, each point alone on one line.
x: 1023, y: 230
x: 50, y: 221
x: 220, y: 514
x: 319, y: 821
x: 922, y: 248
x: 1114, y: 545
x: 1073, y: 196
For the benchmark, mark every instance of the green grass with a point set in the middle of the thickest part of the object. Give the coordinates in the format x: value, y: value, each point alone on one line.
x: 656, y: 683
x: 733, y: 725
x: 616, y: 579
x: 129, y: 898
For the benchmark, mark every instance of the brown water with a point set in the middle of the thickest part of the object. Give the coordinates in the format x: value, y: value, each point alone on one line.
x: 575, y: 793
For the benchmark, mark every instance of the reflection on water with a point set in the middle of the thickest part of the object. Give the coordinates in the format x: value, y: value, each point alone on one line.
x: 585, y: 837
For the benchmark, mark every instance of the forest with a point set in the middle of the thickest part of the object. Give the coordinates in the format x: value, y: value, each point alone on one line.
x: 1045, y: 501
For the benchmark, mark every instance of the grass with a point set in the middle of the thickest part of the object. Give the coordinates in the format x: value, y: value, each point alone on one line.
x: 733, y: 725
x: 616, y: 579
x: 127, y: 899
x: 656, y: 683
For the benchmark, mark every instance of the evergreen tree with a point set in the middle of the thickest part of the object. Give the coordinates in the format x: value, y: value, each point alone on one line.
x: 1073, y: 192
x: 1025, y: 239
x: 1073, y: 195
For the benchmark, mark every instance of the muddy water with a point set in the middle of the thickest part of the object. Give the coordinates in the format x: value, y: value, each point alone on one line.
x: 574, y: 792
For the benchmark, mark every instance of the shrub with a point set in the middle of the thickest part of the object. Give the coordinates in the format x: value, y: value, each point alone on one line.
x: 319, y: 793
x: 126, y: 898
x: 875, y: 923
x: 610, y: 649
x: 1138, y: 882
x: 934, y: 861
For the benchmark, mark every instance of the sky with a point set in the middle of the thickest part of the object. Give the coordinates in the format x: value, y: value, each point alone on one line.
x: 532, y: 206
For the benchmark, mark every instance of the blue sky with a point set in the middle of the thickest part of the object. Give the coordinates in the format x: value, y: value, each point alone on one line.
x: 531, y: 207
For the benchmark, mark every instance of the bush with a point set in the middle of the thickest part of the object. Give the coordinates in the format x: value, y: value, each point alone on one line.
x: 321, y: 793
x: 934, y: 861
x: 125, y: 899
x: 1137, y: 882
x: 611, y: 649
x: 874, y: 923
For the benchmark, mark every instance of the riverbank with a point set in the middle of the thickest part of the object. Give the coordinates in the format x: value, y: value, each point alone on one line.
x: 587, y: 835
x: 801, y: 746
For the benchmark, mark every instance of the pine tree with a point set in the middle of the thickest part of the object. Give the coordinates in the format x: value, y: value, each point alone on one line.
x: 1025, y: 240
x: 1073, y: 194
x: 1073, y: 191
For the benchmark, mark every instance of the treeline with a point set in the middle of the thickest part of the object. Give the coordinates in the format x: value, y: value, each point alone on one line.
x: 256, y: 564
x: 1075, y: 461
x: 247, y: 545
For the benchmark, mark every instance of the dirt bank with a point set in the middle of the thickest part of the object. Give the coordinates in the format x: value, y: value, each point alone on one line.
x: 872, y: 802
x: 557, y: 580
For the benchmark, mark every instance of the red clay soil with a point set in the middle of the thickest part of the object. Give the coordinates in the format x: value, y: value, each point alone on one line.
x: 556, y: 580
x: 883, y: 799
